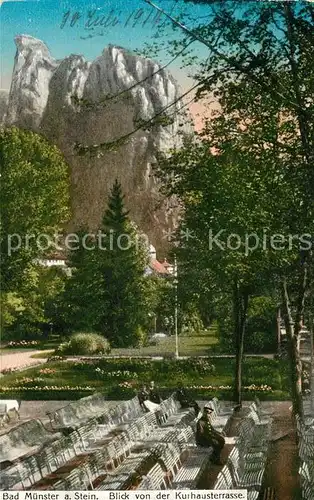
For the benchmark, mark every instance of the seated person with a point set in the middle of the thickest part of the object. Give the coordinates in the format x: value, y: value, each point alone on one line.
x: 207, y: 436
x: 153, y: 394
x: 185, y: 401
x: 142, y: 397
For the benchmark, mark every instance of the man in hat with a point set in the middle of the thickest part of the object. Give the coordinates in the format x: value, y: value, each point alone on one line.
x: 207, y: 436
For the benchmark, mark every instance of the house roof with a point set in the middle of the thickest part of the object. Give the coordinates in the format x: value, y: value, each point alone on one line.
x: 158, y: 267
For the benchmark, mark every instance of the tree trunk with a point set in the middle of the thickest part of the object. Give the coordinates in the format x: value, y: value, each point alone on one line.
x: 278, y: 317
x: 240, y: 306
x: 293, y: 355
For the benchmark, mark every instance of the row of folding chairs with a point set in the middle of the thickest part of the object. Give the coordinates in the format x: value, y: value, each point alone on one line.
x: 197, y: 459
x: 25, y: 438
x: 28, y: 471
x: 78, y: 411
x: 305, y: 432
x: 125, y: 461
x: 88, y: 438
x: 246, y: 463
x: 165, y: 444
x: 82, y: 410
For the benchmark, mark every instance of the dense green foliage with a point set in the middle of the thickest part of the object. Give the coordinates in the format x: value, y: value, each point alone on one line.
x: 108, y: 292
x: 34, y: 206
x: 34, y: 201
x: 85, y: 344
x: 261, y: 327
x: 251, y: 171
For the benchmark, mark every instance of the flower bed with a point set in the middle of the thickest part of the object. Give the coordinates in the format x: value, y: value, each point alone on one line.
x: 121, y: 378
x: 22, y: 343
x: 42, y: 393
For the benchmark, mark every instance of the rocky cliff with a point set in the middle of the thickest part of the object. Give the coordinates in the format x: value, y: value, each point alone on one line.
x: 41, y: 99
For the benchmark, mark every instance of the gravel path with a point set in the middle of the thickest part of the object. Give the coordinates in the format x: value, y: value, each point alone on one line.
x: 283, y: 462
x: 19, y: 359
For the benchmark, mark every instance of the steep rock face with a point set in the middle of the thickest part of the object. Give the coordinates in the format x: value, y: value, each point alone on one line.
x: 41, y: 99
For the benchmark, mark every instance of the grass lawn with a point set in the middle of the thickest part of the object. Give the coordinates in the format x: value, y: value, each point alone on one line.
x: 199, y: 345
x: 119, y: 378
x: 188, y: 346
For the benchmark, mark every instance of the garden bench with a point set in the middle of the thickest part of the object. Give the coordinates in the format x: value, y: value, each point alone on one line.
x: 26, y: 438
x: 64, y: 417
x: 192, y: 468
x: 306, y: 448
x: 252, y: 439
x: 304, y: 427
x: 262, y: 427
x: 244, y: 433
x: 47, y: 461
x: 154, y: 480
x: 24, y: 473
x: 96, y: 402
x: 13, y: 477
x: 158, y: 435
x: 245, y: 475
x: 77, y: 412
x: 90, y: 432
x: 96, y: 472
x: 146, y: 425
x: 219, y: 410
x: 167, y: 408
x: 58, y: 486
x: 32, y: 469
x: 121, y: 415
x: 56, y: 455
x: 10, y: 405
x: 125, y: 471
x: 181, y: 418
x: 186, y: 437
x: 170, y: 457
x: 114, y: 483
x: 7, y: 407
x: 269, y: 494
x: 224, y: 480
x: 63, y: 450
x: 121, y: 470
x: 257, y: 407
x: 3, y: 414
x: 123, y: 447
x: 307, y: 489
x: 77, y: 442
x: 306, y: 471
x: 78, y: 479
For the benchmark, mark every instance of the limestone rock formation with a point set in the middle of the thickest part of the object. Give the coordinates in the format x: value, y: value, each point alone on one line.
x: 43, y: 97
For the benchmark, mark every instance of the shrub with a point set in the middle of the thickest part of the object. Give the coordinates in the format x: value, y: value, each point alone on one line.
x: 53, y: 359
x: 84, y: 344
x: 124, y: 390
